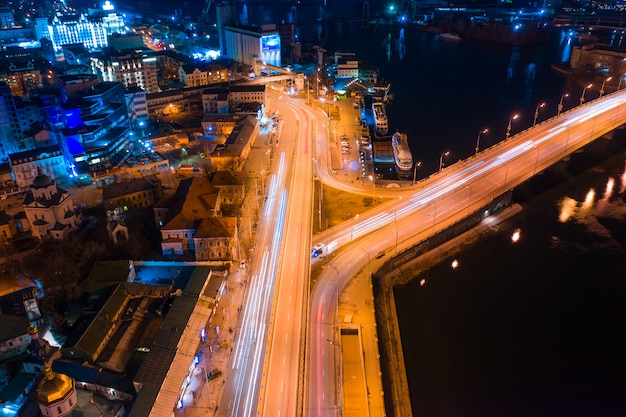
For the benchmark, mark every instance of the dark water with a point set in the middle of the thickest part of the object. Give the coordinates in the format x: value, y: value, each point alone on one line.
x: 533, y: 328
x: 446, y: 92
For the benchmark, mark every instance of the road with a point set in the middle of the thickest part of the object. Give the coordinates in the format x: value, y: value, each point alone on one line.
x: 267, y: 365
x: 266, y: 362
x: 430, y: 206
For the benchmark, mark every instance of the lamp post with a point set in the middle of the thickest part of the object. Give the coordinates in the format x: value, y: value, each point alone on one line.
x: 417, y: 165
x: 308, y: 91
x: 619, y: 84
x: 317, y: 86
x: 508, y: 127
x: 446, y: 153
x: 539, y: 106
x: 604, y: 82
x: 559, y: 108
x: 582, y: 96
x: 478, y: 139
x: 371, y: 177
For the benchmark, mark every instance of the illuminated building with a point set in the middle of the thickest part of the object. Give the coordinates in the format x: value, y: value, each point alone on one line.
x: 98, y: 130
x: 16, y: 116
x: 76, y: 54
x: 121, y: 197
x: 195, y: 76
x: 169, y: 62
x: 137, y: 105
x: 6, y: 18
x: 9, y: 124
x: 191, y: 220
x: 213, y: 99
x: 21, y: 79
x: 73, y: 84
x: 72, y: 29
x: 90, y: 31
x: 250, y: 45
x: 132, y: 69
x: 56, y: 394
x: 49, y: 209
x: 28, y: 164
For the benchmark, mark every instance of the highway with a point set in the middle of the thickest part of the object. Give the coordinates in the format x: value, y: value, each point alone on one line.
x: 430, y: 206
x: 269, y: 373
x: 267, y: 359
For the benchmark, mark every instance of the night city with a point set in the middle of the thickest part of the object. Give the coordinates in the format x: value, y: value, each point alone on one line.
x: 315, y: 208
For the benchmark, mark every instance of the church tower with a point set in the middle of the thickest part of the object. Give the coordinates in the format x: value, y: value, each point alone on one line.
x: 56, y: 394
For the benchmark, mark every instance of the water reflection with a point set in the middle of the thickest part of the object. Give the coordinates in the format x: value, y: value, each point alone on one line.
x: 401, y: 46
x: 510, y: 71
x: 566, y: 47
x: 387, y: 43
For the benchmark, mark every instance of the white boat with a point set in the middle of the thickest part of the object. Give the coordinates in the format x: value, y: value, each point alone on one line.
x: 450, y: 36
x: 380, y: 118
x: 402, y: 155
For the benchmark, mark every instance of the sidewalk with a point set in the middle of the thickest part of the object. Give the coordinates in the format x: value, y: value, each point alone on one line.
x: 202, y: 395
x: 356, y: 311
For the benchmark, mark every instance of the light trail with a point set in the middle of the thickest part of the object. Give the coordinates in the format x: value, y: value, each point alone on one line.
x: 515, y: 163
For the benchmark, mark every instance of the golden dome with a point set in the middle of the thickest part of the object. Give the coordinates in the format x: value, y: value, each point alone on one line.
x: 54, y: 387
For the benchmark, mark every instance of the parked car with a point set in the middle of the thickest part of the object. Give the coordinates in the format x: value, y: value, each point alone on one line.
x: 215, y: 373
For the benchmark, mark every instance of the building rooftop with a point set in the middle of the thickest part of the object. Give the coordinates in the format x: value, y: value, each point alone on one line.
x: 130, y: 187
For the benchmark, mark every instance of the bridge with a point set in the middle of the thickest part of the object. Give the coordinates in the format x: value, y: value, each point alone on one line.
x: 432, y: 205
x: 596, y: 22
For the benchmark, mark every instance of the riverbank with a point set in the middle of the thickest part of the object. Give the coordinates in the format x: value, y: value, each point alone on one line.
x: 394, y: 376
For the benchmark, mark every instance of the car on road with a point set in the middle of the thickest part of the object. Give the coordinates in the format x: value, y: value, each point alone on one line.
x: 215, y: 373
x: 317, y: 250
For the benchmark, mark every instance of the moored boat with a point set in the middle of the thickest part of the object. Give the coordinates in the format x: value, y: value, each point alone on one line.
x: 450, y: 36
x: 380, y: 118
x: 402, y: 155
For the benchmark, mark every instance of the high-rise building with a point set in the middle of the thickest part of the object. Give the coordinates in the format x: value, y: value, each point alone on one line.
x: 132, y: 69
x: 251, y: 45
x: 9, y: 124
x: 7, y: 20
x: 91, y: 31
x: 16, y: 116
x: 21, y: 78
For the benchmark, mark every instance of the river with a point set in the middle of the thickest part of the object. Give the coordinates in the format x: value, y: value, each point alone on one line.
x: 533, y: 328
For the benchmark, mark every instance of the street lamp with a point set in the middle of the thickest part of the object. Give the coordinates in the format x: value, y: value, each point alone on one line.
x: 317, y: 86
x: 602, y: 88
x: 539, y: 106
x: 417, y: 165
x: 446, y: 153
x: 478, y: 140
x: 582, y: 96
x: 308, y: 91
x: 559, y: 108
x: 619, y: 84
x: 508, y: 127
x: 371, y: 177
